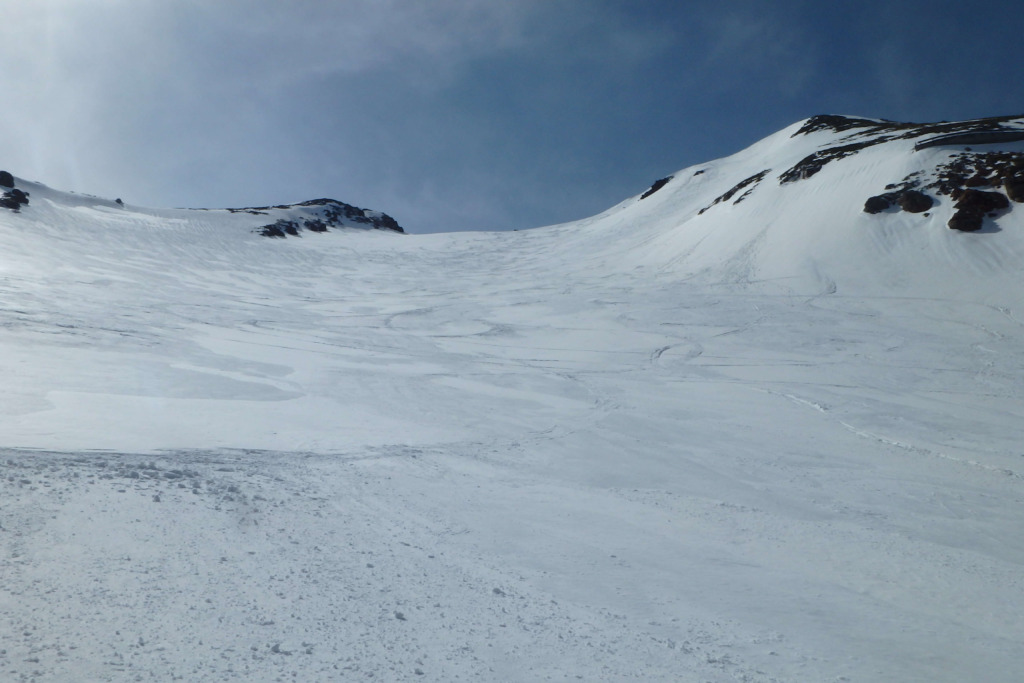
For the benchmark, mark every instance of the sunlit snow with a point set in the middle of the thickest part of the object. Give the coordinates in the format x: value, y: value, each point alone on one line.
x: 782, y: 440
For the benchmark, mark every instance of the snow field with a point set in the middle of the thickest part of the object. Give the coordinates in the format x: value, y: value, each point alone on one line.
x: 777, y: 441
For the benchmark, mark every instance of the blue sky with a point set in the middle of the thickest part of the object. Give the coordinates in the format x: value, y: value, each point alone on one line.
x: 462, y: 114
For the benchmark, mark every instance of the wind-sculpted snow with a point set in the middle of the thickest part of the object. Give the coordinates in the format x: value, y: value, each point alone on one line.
x: 776, y: 441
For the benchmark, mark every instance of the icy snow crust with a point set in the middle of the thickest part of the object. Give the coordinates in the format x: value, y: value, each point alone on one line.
x: 776, y: 441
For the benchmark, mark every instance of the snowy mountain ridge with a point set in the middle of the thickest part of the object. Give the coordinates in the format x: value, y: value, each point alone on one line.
x: 809, y: 182
x: 315, y: 215
x: 819, y: 205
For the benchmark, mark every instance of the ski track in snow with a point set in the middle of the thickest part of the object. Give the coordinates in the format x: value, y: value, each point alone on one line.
x: 606, y: 451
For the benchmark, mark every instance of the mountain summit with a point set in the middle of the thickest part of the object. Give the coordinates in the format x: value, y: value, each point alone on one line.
x: 846, y: 136
x: 864, y: 204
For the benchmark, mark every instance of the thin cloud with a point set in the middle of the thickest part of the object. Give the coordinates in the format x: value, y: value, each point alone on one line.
x: 761, y: 46
x: 91, y: 88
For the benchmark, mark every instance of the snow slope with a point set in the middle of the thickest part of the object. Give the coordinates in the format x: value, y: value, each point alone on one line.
x: 776, y: 440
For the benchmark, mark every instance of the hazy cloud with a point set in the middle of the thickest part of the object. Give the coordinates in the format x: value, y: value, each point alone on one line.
x: 764, y: 47
x: 83, y: 74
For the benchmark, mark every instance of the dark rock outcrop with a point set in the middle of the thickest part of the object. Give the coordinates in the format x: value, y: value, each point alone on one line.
x: 658, y: 184
x: 1014, y: 187
x: 6, y: 179
x: 987, y: 137
x: 971, y: 179
x: 13, y: 199
x: 966, y: 222
x: 386, y: 222
x: 976, y: 200
x: 834, y: 123
x: 324, y: 214
x: 747, y: 183
x: 272, y: 231
x: 977, y: 169
x: 907, y: 198
x: 335, y: 213
x: 915, y: 201
x: 877, y: 204
x: 867, y: 133
x: 972, y: 206
x: 280, y: 229
x: 980, y: 201
x: 812, y: 163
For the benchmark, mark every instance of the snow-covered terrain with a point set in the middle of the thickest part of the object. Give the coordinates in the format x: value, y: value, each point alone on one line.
x: 770, y: 437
